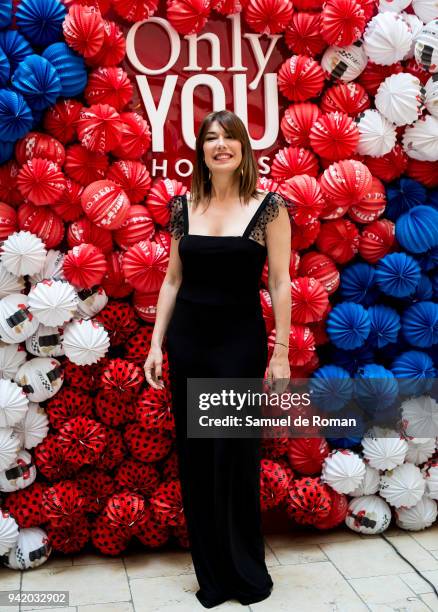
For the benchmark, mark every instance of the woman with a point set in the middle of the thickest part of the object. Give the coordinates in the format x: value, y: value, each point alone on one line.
x: 209, y: 304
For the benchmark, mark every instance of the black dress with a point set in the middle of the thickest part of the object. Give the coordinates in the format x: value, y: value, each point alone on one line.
x: 217, y: 330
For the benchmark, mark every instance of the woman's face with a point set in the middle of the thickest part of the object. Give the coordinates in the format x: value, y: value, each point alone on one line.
x: 221, y: 152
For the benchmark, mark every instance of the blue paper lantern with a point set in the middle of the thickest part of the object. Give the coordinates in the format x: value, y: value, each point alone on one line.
x: 5, y: 69
x: 398, y: 274
x: 40, y: 21
x: 429, y: 260
x: 352, y: 360
x: 375, y: 388
x: 348, y: 325
x: 5, y: 13
x: 402, y: 195
x: 417, y: 230
x: 417, y: 368
x: 420, y: 324
x: 330, y: 388
x: 15, y: 47
x: 385, y: 325
x: 424, y: 290
x: 37, y: 81
x: 15, y: 116
x: 70, y: 67
x: 358, y: 284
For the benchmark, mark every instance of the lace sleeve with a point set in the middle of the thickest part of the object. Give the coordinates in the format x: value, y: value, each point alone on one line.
x: 176, y: 220
x: 268, y: 214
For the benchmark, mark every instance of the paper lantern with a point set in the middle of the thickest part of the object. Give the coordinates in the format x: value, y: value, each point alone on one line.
x: 138, y: 226
x: 400, y: 98
x: 41, y: 181
x: 397, y: 274
x: 389, y: 166
x: 426, y: 47
x: 420, y: 140
x: 370, y: 483
x: 84, y: 266
x: 334, y: 136
x: 13, y: 403
x: 306, y: 455
x: 20, y: 474
x: 309, y: 501
x: 91, y: 301
x: 430, y: 473
x: 145, y: 265
x: 9, y: 283
x: 343, y: 471
x: 348, y: 325
x: 377, y: 134
x: 15, y: 115
x: 8, y: 221
x: 309, y: 300
x: 133, y: 177
x: 268, y: 17
x: 418, y: 517
x: 37, y: 80
x: 395, y: 7
x: 188, y: 17
x: 305, y: 195
x: 358, y: 284
x: 85, y: 341
x: 83, y: 30
x: 384, y: 449
x: 40, y: 22
x: 416, y: 230
x: 419, y: 452
x: 368, y: 514
x: 426, y: 10
x: 12, y: 356
x: 36, y: 144
x: 303, y: 34
x: 16, y: 321
x: 84, y: 231
x: 349, y: 98
x: 385, y: 325
x: 297, y: 122
x: 68, y: 207
x: 145, y: 305
x: 300, y: 78
x: 344, y: 63
x: 322, y: 268
x: 420, y: 324
x: 387, y: 39
x: 45, y: 342
x: 135, y: 137
x: 402, y: 486
x: 61, y: 119
x: 99, y: 128
x: 105, y: 204
x: 15, y: 47
x: 53, y: 302
x: 330, y: 388
x: 112, y: 51
x: 371, y: 206
x: 70, y: 68
x: 339, y: 239
x: 114, y: 281
x: 8, y: 532
x: 376, y: 240
x: 342, y: 22
x: 432, y: 96
x: 109, y: 86
x: 51, y: 269
x: 292, y: 161
x: 419, y: 416
x: 423, y: 171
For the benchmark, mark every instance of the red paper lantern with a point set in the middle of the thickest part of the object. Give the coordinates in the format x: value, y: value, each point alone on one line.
x: 135, y: 137
x: 339, y: 239
x: 268, y: 16
x: 377, y: 240
x: 114, y: 282
x: 105, y: 204
x: 43, y: 222
x: 297, y: 122
x: 138, y: 226
x: 145, y: 305
x: 188, y: 16
x: 99, y: 128
x: 389, y: 166
x: 334, y: 136
x: 309, y: 300
x: 371, y: 206
x: 61, y: 119
x: 306, y: 455
x: 350, y: 98
x: 133, y: 177
x: 69, y: 206
x: 342, y: 22
x: 83, y: 30
x: 8, y: 221
x: 41, y: 181
x: 145, y: 265
x: 290, y: 161
x: 84, y: 266
x: 303, y: 34
x: 113, y: 49
x: 300, y: 78
x: 321, y: 267
x: 35, y: 144
x: 159, y: 196
x: 83, y: 231
x: 109, y: 85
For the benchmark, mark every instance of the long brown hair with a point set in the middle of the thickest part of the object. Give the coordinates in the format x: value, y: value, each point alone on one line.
x: 247, y: 170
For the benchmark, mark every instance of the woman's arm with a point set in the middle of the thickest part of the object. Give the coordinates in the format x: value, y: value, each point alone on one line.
x: 278, y: 242
x: 165, y: 307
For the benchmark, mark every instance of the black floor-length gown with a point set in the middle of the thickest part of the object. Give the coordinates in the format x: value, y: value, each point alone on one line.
x: 217, y: 330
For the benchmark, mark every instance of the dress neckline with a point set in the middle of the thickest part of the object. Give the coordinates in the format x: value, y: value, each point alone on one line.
x: 246, y: 232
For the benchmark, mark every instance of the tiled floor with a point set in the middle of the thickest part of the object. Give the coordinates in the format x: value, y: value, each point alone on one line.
x: 337, y: 571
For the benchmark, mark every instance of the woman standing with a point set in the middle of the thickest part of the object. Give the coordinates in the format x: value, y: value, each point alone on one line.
x: 210, y: 313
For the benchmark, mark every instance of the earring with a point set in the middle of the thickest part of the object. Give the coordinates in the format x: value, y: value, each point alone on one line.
x: 209, y: 175
x: 241, y: 172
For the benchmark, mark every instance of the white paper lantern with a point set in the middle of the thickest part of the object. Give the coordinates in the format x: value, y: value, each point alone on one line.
x: 403, y: 486
x: 53, y: 302
x: 8, y: 532
x: 41, y: 378
x: 393, y: 6
x: 426, y: 10
x: 343, y: 471
x: 370, y: 483
x: 431, y: 88
x: 53, y: 267
x: 12, y: 357
x: 16, y: 321
x: 384, y: 449
x: 420, y: 141
x: 415, y: 25
x: 85, y: 341
x: 418, y: 517
x: 34, y: 427
x: 19, y: 475
x: 46, y: 342
x: 420, y: 417
x: 420, y: 453
x: 22, y: 253
x: 369, y: 514
x: 430, y: 473
x: 13, y: 403
x: 91, y: 301
x: 400, y: 98
x: 32, y: 549
x: 345, y: 63
x: 387, y: 39
x: 426, y: 47
x: 377, y: 135
x: 9, y: 447
x: 9, y: 283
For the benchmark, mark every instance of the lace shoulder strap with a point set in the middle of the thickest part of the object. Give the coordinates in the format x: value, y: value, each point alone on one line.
x: 269, y: 213
x: 176, y: 224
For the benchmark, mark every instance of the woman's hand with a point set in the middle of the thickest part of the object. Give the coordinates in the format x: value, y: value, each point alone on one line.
x: 278, y: 374
x: 152, y: 367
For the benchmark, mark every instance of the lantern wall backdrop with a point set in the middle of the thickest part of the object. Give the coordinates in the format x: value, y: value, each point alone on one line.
x: 87, y: 449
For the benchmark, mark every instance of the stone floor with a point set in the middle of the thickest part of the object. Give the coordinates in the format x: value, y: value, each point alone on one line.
x: 312, y: 572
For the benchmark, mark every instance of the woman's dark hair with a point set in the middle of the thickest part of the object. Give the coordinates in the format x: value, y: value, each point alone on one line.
x: 247, y: 170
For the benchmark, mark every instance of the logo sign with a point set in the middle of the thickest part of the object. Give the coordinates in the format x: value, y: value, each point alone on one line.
x: 178, y: 79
